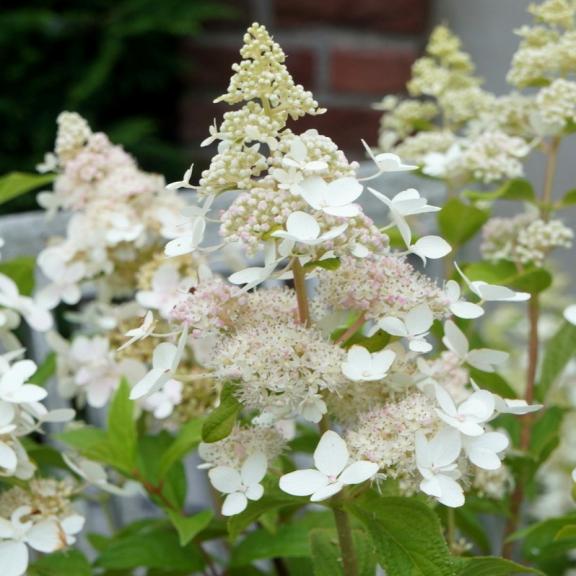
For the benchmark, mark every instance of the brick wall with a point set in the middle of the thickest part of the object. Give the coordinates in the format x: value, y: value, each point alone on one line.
x: 348, y: 52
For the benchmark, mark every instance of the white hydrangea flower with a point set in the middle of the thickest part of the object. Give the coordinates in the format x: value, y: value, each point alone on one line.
x: 484, y: 359
x: 414, y: 327
x: 33, y: 311
x: 437, y: 462
x: 470, y: 416
x: 404, y: 204
x: 363, y: 366
x: 47, y: 535
x: 240, y: 485
x: 459, y: 307
x: 492, y: 292
x: 165, y: 361
x: 334, y: 198
x: 304, y: 228
x: 333, y: 471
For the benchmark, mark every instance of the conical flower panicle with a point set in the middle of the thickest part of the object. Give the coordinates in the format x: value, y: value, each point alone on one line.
x: 263, y: 75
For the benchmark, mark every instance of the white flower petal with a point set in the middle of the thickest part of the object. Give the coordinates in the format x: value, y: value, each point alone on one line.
x: 331, y: 454
x: 358, y: 472
x: 327, y: 491
x: 303, y: 482
x: 466, y: 310
x: 570, y: 314
x: 255, y: 492
x: 432, y: 247
x: 254, y: 469
x: 46, y: 536
x: 14, y: 558
x: 234, y: 503
x: 225, y: 479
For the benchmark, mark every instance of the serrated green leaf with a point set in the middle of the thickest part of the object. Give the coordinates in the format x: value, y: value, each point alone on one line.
x: 517, y: 189
x: 190, y: 526
x: 220, y: 422
x: 189, y: 436
x: 17, y: 184
x: 273, y: 499
x: 406, y: 534
x: 492, y: 566
x: 326, y: 555
x: 557, y: 353
x: 155, y: 548
x: 21, y: 271
x: 459, y: 222
x: 66, y: 563
x: 289, y: 541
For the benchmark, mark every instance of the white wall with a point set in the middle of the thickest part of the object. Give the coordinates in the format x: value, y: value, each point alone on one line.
x: 486, y: 29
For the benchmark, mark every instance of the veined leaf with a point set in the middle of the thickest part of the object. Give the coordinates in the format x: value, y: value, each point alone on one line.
x: 221, y: 420
x: 459, y: 222
x: 406, y: 534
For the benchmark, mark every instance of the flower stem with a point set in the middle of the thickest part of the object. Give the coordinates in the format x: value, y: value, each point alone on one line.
x: 525, y: 433
x: 351, y: 330
x: 533, y: 345
x: 301, y: 294
x: 549, y: 177
x: 346, y: 542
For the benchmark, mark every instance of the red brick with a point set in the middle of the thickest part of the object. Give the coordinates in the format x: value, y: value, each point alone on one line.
x: 210, y: 65
x: 399, y: 16
x: 346, y: 126
x: 370, y: 71
x: 196, y: 115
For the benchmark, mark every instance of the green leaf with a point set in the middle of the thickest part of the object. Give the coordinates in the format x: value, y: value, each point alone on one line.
x: 68, y: 563
x: 122, y: 435
x: 493, y: 382
x: 558, y: 352
x: 90, y: 442
x: 517, y: 189
x: 569, y: 198
x: 289, y: 541
x: 326, y: 555
x: 21, y: 271
x: 546, y: 432
x: 459, y: 222
x: 18, y: 183
x: 568, y: 531
x: 153, y: 548
x: 45, y: 371
x: 492, y: 566
x: 532, y: 281
x: 491, y: 272
x: 189, y: 436
x: 172, y: 486
x: 326, y: 264
x: 220, y: 422
x: 407, y: 536
x: 190, y: 526
x: 273, y: 499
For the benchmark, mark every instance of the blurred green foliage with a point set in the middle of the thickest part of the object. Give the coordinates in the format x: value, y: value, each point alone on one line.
x: 117, y: 62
